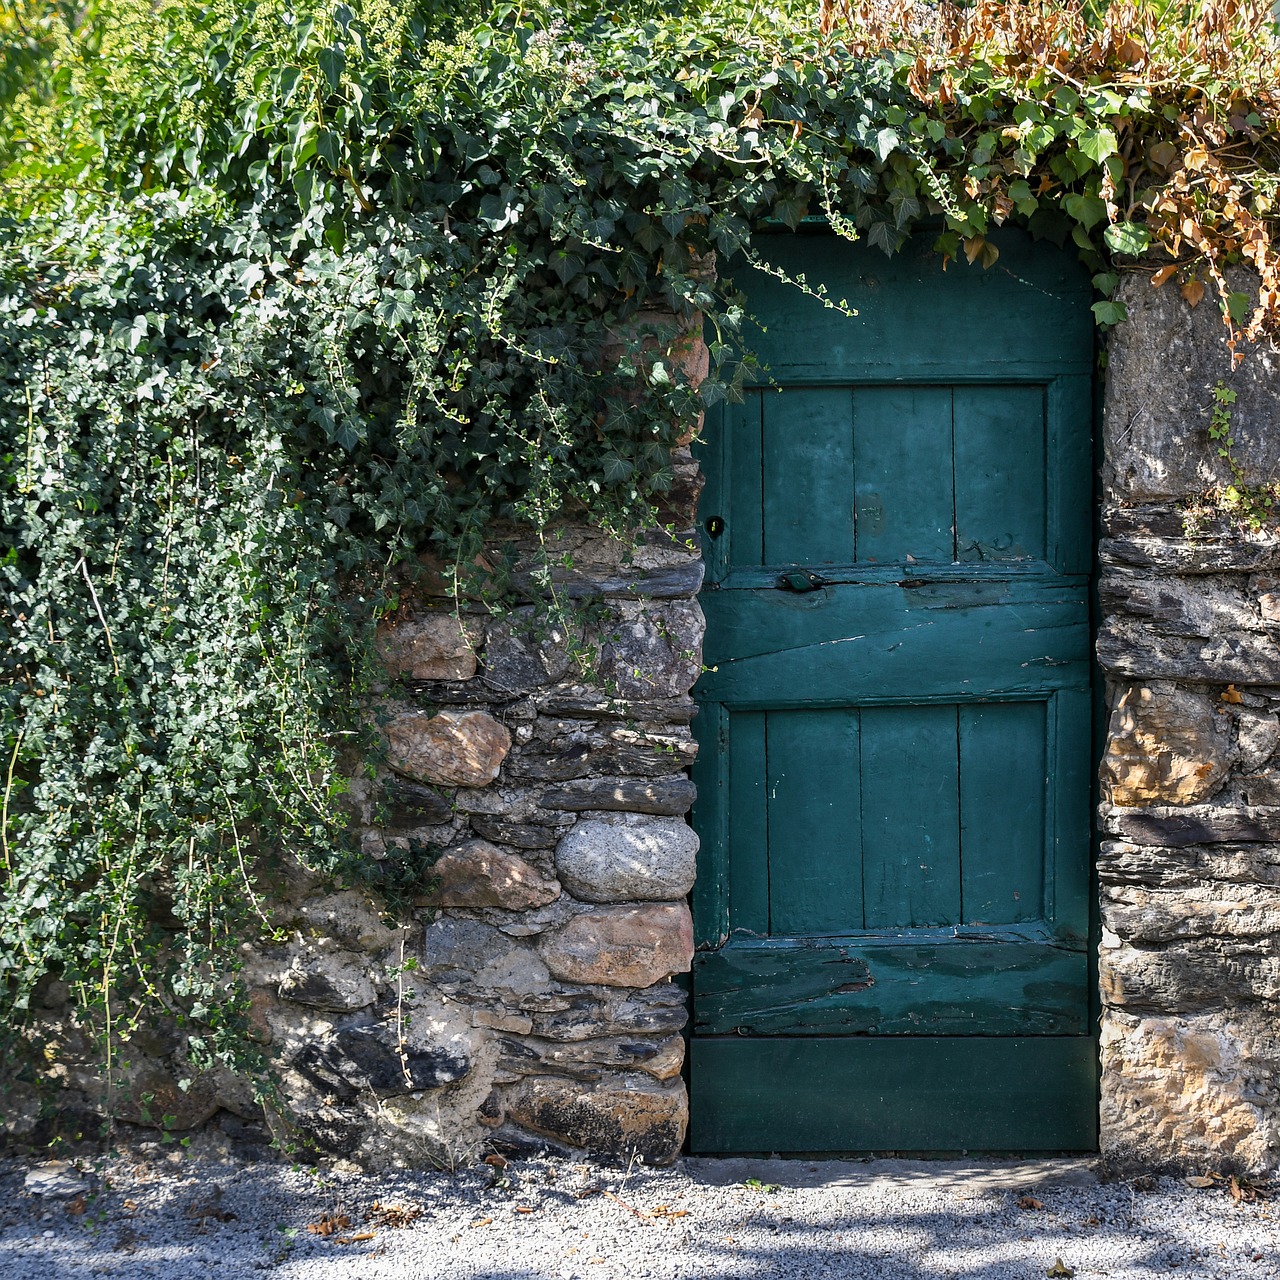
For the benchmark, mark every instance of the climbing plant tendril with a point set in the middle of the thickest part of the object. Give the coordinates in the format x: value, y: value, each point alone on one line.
x: 291, y: 294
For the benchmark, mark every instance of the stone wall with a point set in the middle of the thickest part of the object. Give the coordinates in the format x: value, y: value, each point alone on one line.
x: 528, y: 998
x: 1189, y: 863
x: 530, y: 1001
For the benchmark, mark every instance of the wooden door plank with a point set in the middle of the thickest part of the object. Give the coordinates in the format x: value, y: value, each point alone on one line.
x: 1000, y: 472
x: 1033, y: 309
x: 743, y: 499
x: 711, y: 451
x: 910, y: 817
x: 1067, y: 890
x: 808, y: 475
x: 902, y: 474
x: 892, y: 986
x: 1069, y: 474
x: 935, y: 1094
x: 815, y: 856
x: 748, y: 823
x: 1002, y: 812
x: 885, y: 642
x: 711, y: 820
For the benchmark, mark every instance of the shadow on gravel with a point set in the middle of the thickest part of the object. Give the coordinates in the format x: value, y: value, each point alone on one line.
x: 543, y: 1221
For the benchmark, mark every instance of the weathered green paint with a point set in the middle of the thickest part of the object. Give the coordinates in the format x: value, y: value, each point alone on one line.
x: 893, y: 793
x: 817, y: 1094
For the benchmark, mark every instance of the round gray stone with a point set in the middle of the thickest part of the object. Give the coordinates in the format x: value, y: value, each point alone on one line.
x: 646, y: 861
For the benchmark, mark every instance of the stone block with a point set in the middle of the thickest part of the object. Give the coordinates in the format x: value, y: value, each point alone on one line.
x: 1163, y: 364
x: 1257, y: 736
x: 1202, y: 824
x: 523, y: 652
x: 593, y: 1059
x: 1190, y: 976
x: 642, y: 861
x: 655, y: 1011
x: 524, y: 835
x: 671, y: 795
x: 653, y: 650
x: 430, y: 646
x: 1205, y: 629
x: 617, y: 1118
x: 1201, y: 910
x: 336, y: 982
x: 381, y: 1060
x: 475, y: 874
x: 407, y: 806
x: 1165, y: 747
x: 1197, y: 1091
x: 621, y: 946
x: 463, y: 749
x: 475, y: 961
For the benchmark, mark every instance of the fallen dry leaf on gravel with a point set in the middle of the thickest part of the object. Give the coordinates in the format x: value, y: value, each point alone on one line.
x: 328, y: 1224
x: 392, y: 1216
x: 1030, y: 1202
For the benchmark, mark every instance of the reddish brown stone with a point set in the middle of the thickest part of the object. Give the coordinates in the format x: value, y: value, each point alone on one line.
x: 435, y: 646
x: 475, y: 874
x: 622, y: 946
x: 464, y: 749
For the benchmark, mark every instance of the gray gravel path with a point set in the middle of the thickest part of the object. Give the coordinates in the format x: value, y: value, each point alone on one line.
x: 184, y: 1217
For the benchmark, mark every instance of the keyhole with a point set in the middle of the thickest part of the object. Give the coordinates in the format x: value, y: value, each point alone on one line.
x: 714, y: 526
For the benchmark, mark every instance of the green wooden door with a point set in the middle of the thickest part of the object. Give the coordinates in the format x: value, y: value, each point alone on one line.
x: 893, y: 780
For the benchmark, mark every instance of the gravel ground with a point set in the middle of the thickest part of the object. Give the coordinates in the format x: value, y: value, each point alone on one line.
x: 182, y: 1217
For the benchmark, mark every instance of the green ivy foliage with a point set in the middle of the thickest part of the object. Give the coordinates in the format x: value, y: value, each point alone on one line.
x: 293, y: 293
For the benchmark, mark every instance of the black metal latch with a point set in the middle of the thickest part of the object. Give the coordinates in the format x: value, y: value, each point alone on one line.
x: 801, y: 581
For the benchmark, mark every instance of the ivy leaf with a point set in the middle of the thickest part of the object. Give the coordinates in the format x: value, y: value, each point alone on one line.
x: 332, y: 64
x: 1088, y: 211
x: 886, y: 141
x: 792, y: 209
x: 615, y: 468
x: 1098, y: 144
x: 885, y: 236
x: 1131, y: 239
x: 1110, y: 312
x: 1238, y: 306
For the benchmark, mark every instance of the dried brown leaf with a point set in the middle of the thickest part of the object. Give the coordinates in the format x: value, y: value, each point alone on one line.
x: 328, y: 1223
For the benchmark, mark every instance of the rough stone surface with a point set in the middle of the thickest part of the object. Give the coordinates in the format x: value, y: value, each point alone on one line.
x: 523, y: 653
x: 433, y: 646
x: 464, y: 749
x: 1163, y: 364
x: 1189, y: 963
x: 653, y: 650
x: 620, y: 1118
x: 407, y: 806
x: 1165, y: 747
x: 620, y: 862
x: 1196, y: 1091
x: 381, y: 1059
x: 476, y: 874
x: 621, y: 946
x: 338, y: 983
x: 672, y: 795
x: 594, y: 1059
